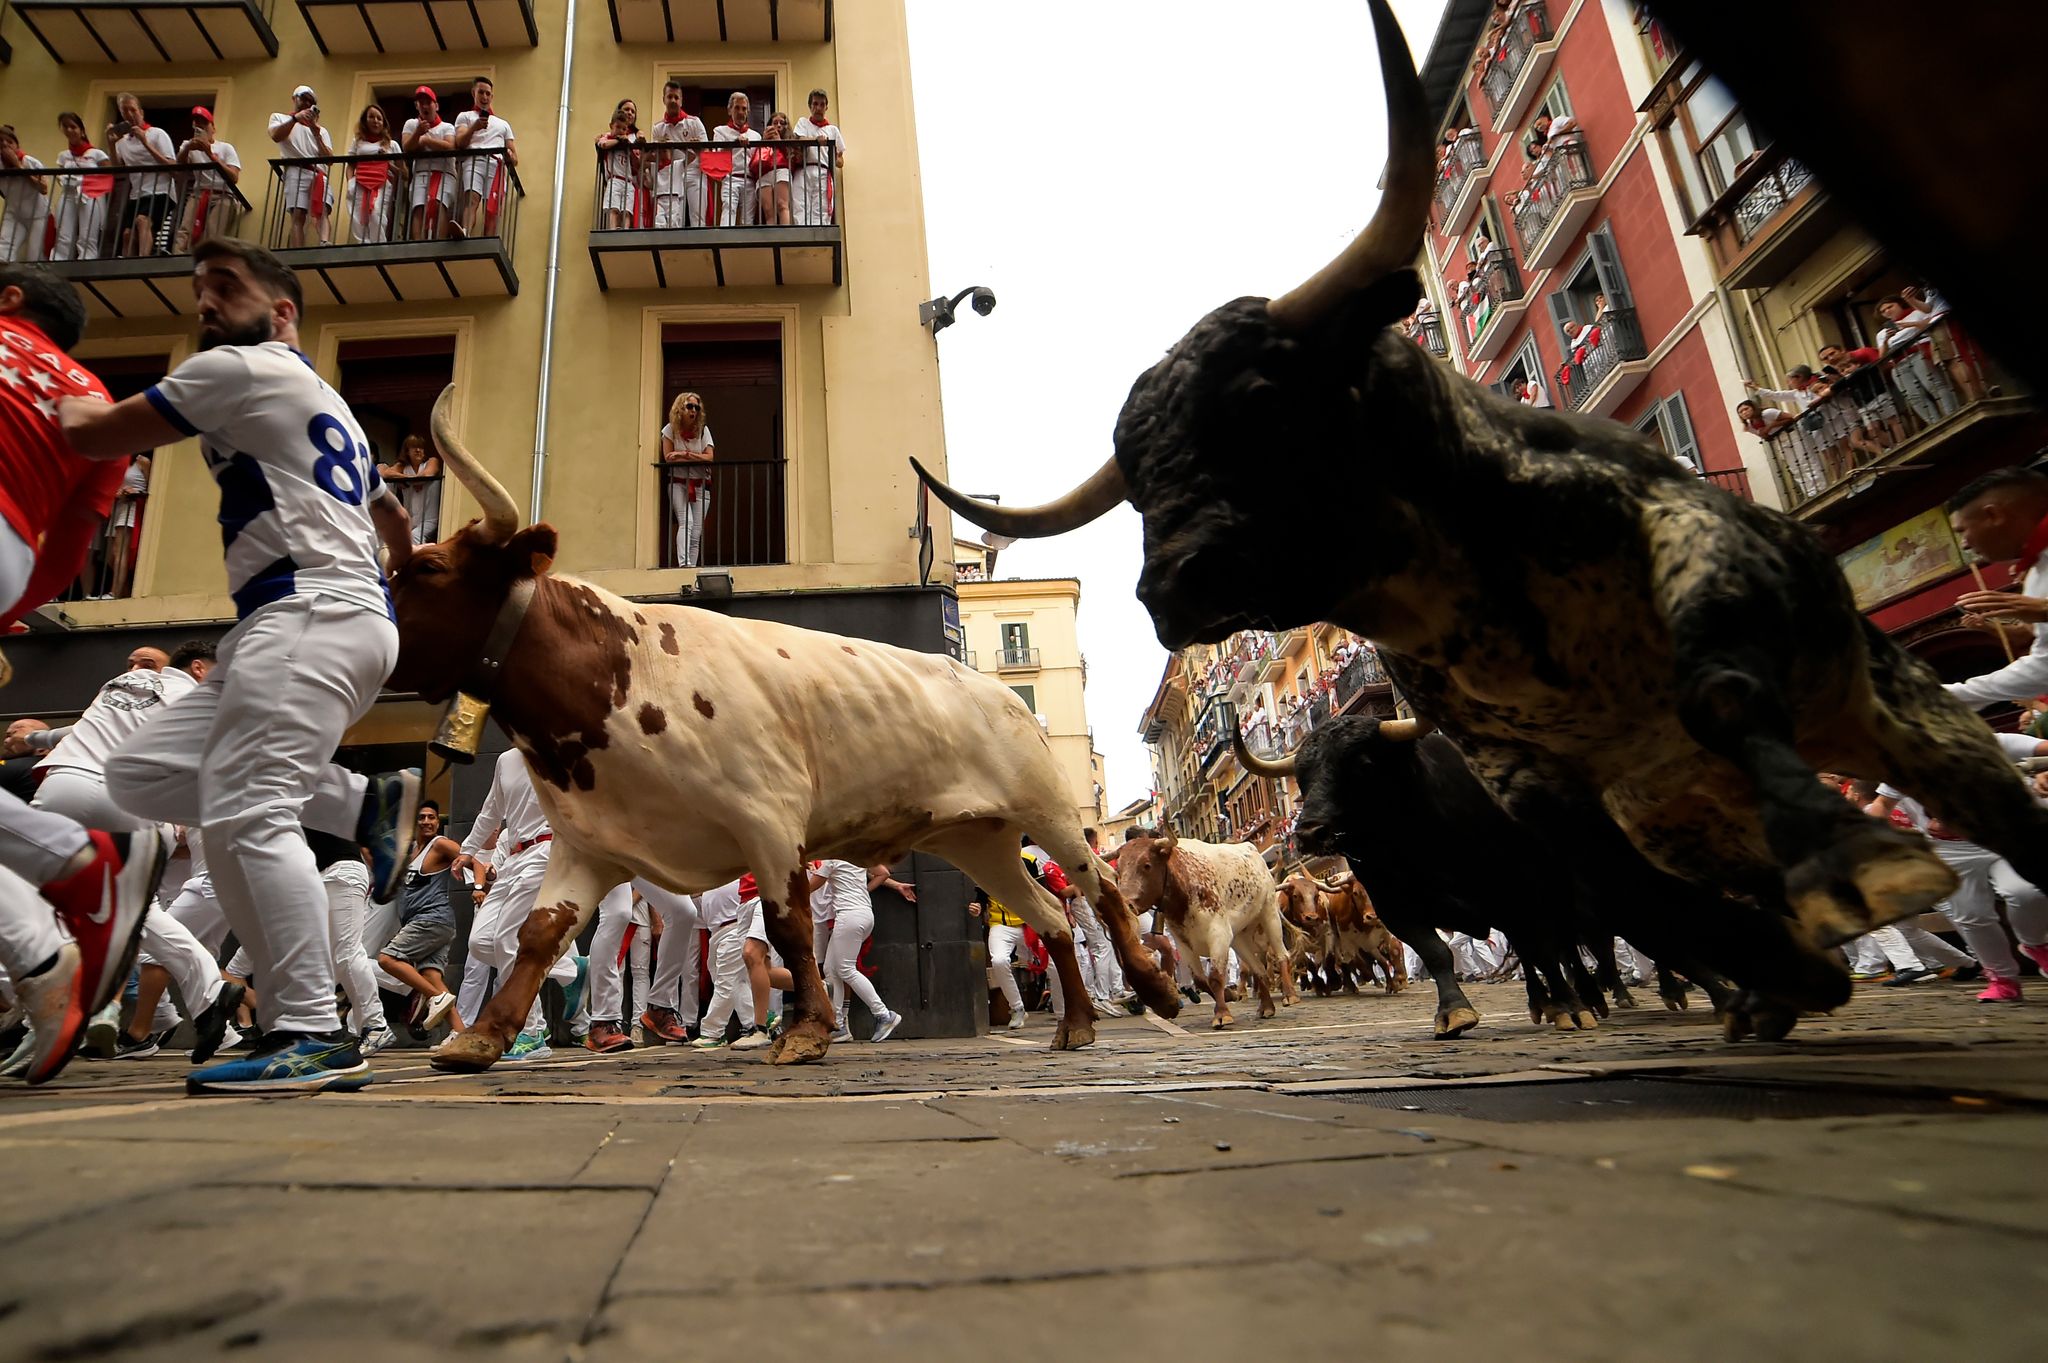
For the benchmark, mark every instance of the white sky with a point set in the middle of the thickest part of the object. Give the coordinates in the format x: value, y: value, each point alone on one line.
x: 1113, y: 170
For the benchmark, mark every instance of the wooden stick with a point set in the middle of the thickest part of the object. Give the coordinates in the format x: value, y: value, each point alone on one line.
x: 1997, y: 625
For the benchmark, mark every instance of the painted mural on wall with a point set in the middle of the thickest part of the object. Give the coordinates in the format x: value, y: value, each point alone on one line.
x: 1911, y: 555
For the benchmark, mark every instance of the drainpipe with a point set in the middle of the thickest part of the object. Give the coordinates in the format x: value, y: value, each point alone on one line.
x: 547, y: 326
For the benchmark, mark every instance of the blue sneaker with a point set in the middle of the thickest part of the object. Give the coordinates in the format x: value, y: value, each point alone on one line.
x: 528, y: 1046
x: 287, y: 1063
x: 390, y: 806
x: 562, y: 1026
x: 886, y: 1024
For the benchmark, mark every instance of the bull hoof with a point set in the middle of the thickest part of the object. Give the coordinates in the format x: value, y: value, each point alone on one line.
x: 800, y: 1043
x: 1624, y: 999
x: 1455, y: 1022
x: 1157, y: 993
x: 1267, y: 1010
x: 1876, y: 875
x: 1566, y: 1020
x: 470, y: 1052
x: 1588, y: 1020
x: 1072, y: 1034
x: 1221, y: 1020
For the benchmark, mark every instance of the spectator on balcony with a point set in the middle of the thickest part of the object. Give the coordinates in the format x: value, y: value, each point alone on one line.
x: 815, y: 188
x: 730, y: 168
x: 210, y: 202
x: 433, y: 177
x: 23, y: 225
x: 307, y: 193
x: 152, y: 196
x: 770, y: 167
x: 82, y: 212
x: 1800, y: 396
x: 1903, y: 341
x: 416, y: 474
x: 124, y: 532
x: 370, y: 183
x: 686, y: 439
x: 1761, y: 422
x: 484, y: 178
x: 681, y: 193
x: 618, y: 158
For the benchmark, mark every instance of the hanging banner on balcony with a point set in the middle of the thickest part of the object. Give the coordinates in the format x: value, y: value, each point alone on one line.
x: 1911, y: 555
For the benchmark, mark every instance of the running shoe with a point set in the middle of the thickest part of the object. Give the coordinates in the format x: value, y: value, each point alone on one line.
x: 385, y: 827
x: 378, y: 1038
x: 844, y: 1033
x: 1017, y: 1022
x: 528, y: 1046
x: 103, y: 1033
x: 663, y: 1025
x: 213, y: 1024
x: 709, y: 1042
x: 2038, y: 955
x: 1910, y: 976
x: 1870, y: 976
x: 606, y: 1037
x: 753, y: 1040
x: 102, y: 908
x: 437, y: 1008
x: 56, y: 1018
x: 885, y: 1025
x: 130, y: 1048
x: 1999, y: 989
x: 773, y: 1024
x: 285, y: 1063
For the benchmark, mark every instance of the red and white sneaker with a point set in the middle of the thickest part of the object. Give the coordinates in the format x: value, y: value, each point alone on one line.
x: 102, y: 908
x: 56, y: 1015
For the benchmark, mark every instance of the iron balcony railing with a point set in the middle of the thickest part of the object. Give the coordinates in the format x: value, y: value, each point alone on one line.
x: 972, y: 659
x: 1211, y: 732
x: 644, y: 185
x: 1528, y: 24
x: 381, y: 200
x: 1768, y: 197
x: 1362, y: 671
x: 728, y: 513
x: 1871, y: 413
x: 1490, y: 285
x: 1732, y: 480
x: 1461, y: 161
x: 1564, y: 167
x: 1618, y: 339
x: 1017, y: 658
x: 1427, y: 331
x: 61, y: 214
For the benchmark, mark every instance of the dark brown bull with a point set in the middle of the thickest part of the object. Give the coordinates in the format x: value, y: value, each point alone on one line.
x: 1639, y: 665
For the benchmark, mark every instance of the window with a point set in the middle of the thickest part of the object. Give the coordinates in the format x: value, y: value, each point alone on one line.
x: 1016, y: 638
x: 1719, y: 133
x: 167, y: 110
x: 1556, y: 103
x: 731, y: 512
x: 1670, y: 425
x: 1524, y: 370
x: 1029, y: 695
x: 451, y: 95
x: 706, y: 96
x: 1660, y: 47
x: 1596, y: 290
x: 390, y: 385
x: 109, y: 570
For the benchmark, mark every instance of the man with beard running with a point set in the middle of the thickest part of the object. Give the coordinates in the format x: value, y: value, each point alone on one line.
x: 247, y: 754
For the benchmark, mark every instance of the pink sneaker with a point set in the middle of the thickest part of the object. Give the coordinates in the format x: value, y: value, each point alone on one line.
x: 1999, y: 990
x: 2038, y: 955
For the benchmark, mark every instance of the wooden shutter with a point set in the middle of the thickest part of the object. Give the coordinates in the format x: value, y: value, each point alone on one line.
x: 1561, y: 311
x: 1678, y: 436
x: 1607, y: 265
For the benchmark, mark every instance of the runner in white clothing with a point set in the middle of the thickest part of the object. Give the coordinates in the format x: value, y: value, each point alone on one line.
x: 844, y: 910
x: 247, y: 755
x: 814, y: 196
x: 676, y: 176
x: 484, y: 178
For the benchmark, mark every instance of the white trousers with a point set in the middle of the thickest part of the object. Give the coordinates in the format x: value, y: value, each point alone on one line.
x: 1104, y: 974
x: 81, y: 227
x: 348, y: 902
x: 494, y: 936
x: 21, y: 234
x: 736, y: 198
x: 245, y: 756
x: 690, y: 208
x: 1004, y: 944
x: 809, y: 202
x: 730, y: 991
x: 850, y: 930
x: 369, y: 212
x: 1975, y: 914
x: 689, y: 515
x: 607, y: 944
x: 674, y: 984
x: 1903, y: 947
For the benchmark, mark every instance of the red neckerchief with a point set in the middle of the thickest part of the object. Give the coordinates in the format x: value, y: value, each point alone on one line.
x: 2037, y: 543
x: 740, y: 128
x: 139, y: 126
x: 821, y: 123
x: 82, y: 148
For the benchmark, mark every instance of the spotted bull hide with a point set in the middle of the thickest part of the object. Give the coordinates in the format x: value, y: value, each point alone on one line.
x: 1213, y: 897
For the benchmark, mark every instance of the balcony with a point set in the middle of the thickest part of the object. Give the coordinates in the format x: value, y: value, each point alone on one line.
x: 1461, y: 180
x: 1521, y: 57
x: 94, y: 252
x: 1017, y: 660
x: 151, y: 32
x: 1613, y: 368
x: 1769, y: 220
x: 1942, y: 396
x: 635, y: 245
x: 1489, y: 307
x: 1427, y: 331
x: 393, y: 28
x: 372, y: 246
x: 736, y: 508
x: 972, y: 659
x: 1561, y: 195
x: 1212, y: 734
x: 1362, y: 675
x: 1731, y: 480
x: 721, y: 21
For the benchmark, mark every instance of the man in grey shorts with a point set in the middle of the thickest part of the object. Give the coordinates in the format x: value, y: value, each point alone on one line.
x: 416, y: 957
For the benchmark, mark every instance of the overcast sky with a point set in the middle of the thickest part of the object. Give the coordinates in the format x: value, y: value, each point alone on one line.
x: 1113, y: 170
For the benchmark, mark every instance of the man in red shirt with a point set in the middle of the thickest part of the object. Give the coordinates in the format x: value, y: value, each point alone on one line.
x: 52, y: 869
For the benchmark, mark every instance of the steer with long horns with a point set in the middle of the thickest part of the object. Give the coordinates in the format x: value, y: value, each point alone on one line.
x: 690, y: 747
x: 1641, y: 666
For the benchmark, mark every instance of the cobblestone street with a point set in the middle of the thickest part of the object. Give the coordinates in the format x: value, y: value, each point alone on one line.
x: 1327, y: 1180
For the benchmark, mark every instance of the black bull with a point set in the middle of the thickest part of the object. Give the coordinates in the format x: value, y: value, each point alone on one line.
x: 1616, y: 646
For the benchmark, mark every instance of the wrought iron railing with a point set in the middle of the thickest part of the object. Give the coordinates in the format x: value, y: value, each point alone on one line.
x: 1619, y: 339
x: 115, y: 212
x: 1732, y: 480
x: 1466, y: 156
x: 366, y: 201
x: 1480, y: 299
x: 1427, y: 331
x: 1528, y: 24
x: 728, y: 513
x: 643, y: 185
x: 1017, y: 657
x: 1768, y: 197
x: 1362, y: 671
x: 1565, y: 166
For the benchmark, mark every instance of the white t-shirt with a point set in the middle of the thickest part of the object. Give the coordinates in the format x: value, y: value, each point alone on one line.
x: 716, y: 908
x: 724, y: 133
x: 301, y: 140
x: 295, y: 473
x: 210, y: 178
x: 820, y: 156
x: 22, y: 199
x: 511, y: 807
x: 129, y: 151
x: 668, y: 179
x: 123, y: 705
x: 1915, y: 812
x: 696, y: 445
x: 78, y: 160
x: 2018, y: 747
x: 422, y: 165
x: 1905, y: 333
x: 845, y: 889
x: 491, y: 130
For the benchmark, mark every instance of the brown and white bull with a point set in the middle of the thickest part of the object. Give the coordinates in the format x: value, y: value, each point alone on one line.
x: 1213, y: 897
x: 1345, y: 933
x: 689, y: 747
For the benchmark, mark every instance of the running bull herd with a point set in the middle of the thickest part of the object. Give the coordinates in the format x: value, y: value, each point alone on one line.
x: 1624, y: 680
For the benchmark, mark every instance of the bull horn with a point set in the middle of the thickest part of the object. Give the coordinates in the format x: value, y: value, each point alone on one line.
x: 1104, y: 490
x: 501, y: 515
x: 1258, y: 766
x: 1393, y: 238
x: 1404, y: 730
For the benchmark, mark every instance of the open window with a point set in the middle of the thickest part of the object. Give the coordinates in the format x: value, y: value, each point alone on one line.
x: 729, y: 511
x: 1523, y: 380
x: 1717, y: 133
x: 391, y: 385
x: 1670, y: 425
x: 109, y: 572
x: 394, y: 97
x: 706, y: 96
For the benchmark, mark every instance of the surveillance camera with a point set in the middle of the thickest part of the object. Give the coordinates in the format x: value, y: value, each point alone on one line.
x: 984, y: 301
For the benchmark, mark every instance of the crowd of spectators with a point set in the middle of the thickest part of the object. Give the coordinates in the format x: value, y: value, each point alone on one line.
x: 678, y: 175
